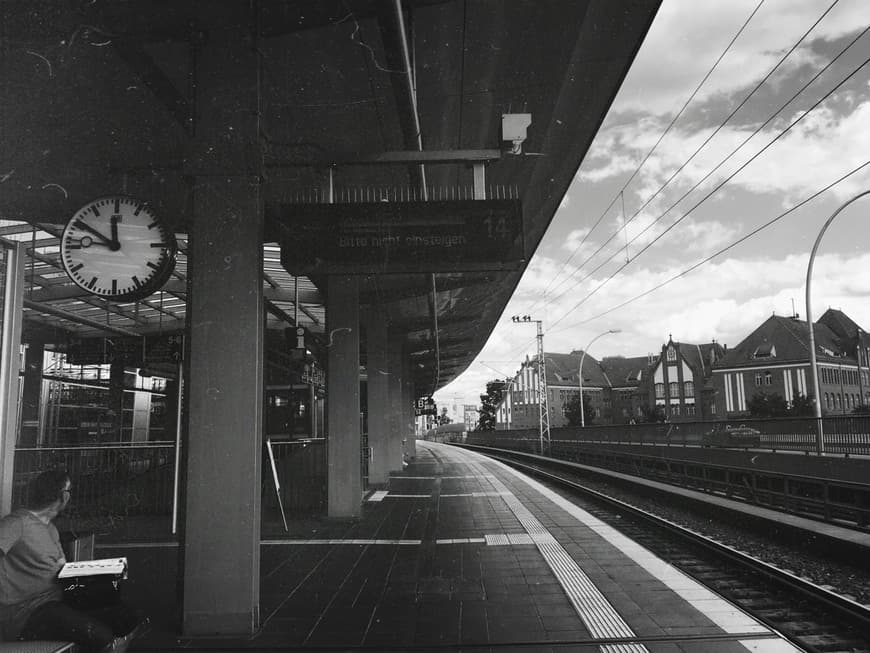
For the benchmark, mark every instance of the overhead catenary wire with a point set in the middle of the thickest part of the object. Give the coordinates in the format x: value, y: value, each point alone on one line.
x: 695, y: 153
x: 716, y: 188
x: 660, y: 138
x: 706, y: 260
x: 703, y: 145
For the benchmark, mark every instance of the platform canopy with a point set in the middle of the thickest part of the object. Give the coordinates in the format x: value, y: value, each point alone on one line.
x: 98, y: 98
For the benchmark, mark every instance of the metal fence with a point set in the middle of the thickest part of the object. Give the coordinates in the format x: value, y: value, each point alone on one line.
x: 110, y: 483
x: 848, y: 435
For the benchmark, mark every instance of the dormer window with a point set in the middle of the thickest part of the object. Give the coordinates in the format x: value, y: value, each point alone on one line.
x: 765, y: 350
x: 672, y: 354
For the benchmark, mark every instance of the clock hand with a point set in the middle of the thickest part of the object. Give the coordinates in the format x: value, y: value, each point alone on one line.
x: 115, y: 245
x: 92, y: 243
x: 81, y: 224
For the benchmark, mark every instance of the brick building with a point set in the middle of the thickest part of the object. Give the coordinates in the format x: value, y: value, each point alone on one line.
x: 680, y: 381
x: 519, y: 407
x: 775, y: 359
x: 628, y: 383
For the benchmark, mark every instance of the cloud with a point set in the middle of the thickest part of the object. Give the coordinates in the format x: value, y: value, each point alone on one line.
x: 687, y: 37
x: 728, y: 297
x: 724, y: 300
x: 817, y: 151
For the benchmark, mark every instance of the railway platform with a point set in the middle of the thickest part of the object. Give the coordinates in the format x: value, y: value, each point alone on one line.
x: 460, y: 553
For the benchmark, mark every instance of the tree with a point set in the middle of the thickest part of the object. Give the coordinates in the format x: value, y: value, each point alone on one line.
x: 862, y: 409
x: 801, y: 406
x: 489, y: 403
x: 651, y: 414
x: 572, y: 410
x: 443, y: 418
x: 763, y: 404
x: 774, y: 405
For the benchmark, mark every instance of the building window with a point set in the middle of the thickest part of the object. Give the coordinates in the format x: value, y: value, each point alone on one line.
x: 765, y: 350
x: 660, y: 390
x: 675, y: 410
x: 827, y: 400
x: 674, y: 389
x: 847, y: 400
x: 690, y: 411
x: 758, y: 378
x: 689, y: 389
x: 768, y: 378
x: 672, y: 354
x: 713, y: 409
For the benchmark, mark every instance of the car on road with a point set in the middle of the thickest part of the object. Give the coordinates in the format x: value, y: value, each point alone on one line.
x: 732, y: 436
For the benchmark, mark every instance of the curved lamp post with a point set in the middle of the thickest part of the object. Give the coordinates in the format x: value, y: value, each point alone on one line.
x: 580, y: 372
x: 814, y: 372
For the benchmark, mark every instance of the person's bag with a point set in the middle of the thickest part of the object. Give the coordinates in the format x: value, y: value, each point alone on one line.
x: 92, y: 584
x: 92, y: 592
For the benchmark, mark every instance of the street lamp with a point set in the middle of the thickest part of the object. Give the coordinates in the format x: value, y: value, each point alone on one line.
x: 580, y: 372
x: 814, y: 372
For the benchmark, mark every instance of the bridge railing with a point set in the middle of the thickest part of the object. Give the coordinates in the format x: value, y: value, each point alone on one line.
x: 846, y: 434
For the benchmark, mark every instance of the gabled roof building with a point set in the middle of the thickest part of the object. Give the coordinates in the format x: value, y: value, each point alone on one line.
x: 681, y: 381
x: 775, y: 359
x: 519, y: 407
x: 629, y: 381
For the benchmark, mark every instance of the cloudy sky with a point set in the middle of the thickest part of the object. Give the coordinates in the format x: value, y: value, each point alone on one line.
x: 744, y: 145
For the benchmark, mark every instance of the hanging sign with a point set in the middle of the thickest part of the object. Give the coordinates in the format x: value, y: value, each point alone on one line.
x: 395, y: 237
x: 154, y: 349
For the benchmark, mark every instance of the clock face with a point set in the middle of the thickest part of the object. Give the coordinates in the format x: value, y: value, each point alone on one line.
x: 117, y: 248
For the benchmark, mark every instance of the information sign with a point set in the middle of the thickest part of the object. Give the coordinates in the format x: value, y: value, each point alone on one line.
x: 425, y: 406
x: 135, y: 352
x: 394, y: 237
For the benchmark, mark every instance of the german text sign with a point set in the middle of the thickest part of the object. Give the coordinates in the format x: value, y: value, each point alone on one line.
x: 366, y: 238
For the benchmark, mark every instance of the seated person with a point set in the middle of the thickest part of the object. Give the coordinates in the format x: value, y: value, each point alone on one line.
x: 31, y: 597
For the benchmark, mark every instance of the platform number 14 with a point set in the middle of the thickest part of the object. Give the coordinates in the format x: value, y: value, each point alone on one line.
x: 496, y: 227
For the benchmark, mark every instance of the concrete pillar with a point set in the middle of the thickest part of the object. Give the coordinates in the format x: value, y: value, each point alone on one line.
x: 408, y: 409
x: 396, y: 417
x: 225, y: 398
x: 224, y: 379
x: 378, y: 399
x: 344, y: 478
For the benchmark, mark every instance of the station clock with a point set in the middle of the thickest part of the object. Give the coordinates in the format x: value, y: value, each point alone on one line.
x: 117, y: 248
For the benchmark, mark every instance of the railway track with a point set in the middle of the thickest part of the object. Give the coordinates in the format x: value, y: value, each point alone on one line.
x: 811, y: 616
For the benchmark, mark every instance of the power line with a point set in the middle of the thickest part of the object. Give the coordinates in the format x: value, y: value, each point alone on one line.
x: 723, y: 250
x: 697, y: 151
x: 729, y: 177
x: 661, y: 137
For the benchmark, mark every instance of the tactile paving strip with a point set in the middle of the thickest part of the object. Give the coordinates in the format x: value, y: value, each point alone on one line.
x: 600, y: 617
